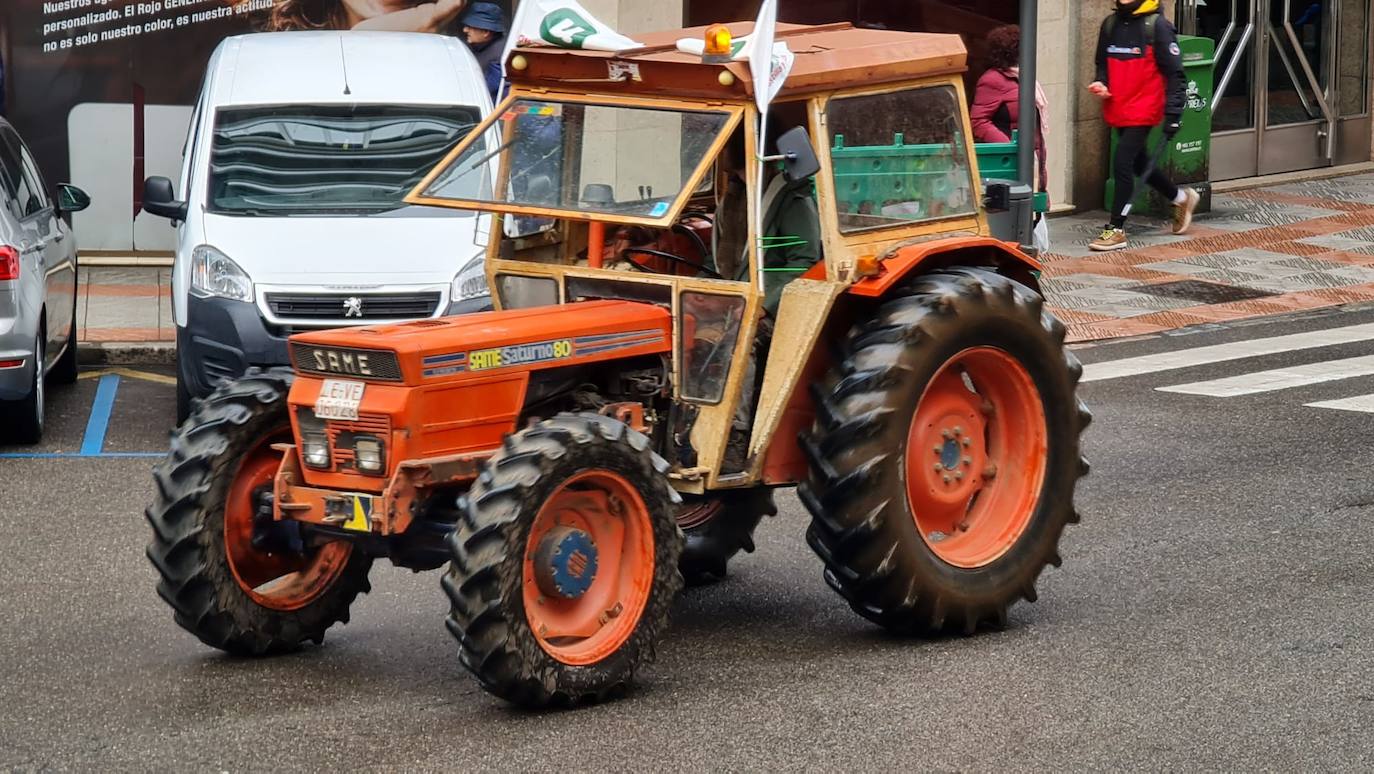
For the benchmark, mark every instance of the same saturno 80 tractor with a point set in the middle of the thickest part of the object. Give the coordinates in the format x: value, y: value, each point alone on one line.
x: 679, y: 331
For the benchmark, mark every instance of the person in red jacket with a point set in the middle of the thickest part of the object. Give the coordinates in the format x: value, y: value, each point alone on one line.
x: 996, y: 99
x: 1140, y: 81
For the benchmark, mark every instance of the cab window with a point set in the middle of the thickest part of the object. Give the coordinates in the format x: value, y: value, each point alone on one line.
x: 899, y: 157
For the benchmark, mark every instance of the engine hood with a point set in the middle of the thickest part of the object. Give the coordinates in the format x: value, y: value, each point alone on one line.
x: 395, y: 249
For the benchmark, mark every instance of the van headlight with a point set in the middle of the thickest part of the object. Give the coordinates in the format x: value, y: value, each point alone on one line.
x: 470, y: 291
x: 213, y: 274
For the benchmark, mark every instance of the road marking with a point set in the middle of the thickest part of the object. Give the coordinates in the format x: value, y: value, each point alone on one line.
x: 130, y: 373
x: 1278, y: 378
x: 97, y: 425
x: 1220, y: 353
x: 93, y: 442
x: 1362, y: 403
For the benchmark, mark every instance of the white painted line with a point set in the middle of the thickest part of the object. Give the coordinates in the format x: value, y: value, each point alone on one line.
x: 1219, y: 353
x: 1278, y: 379
x: 1364, y: 403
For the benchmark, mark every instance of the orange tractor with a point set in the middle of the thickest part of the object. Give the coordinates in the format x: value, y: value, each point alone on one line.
x: 679, y: 332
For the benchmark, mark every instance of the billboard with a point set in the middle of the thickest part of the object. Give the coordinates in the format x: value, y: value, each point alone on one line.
x: 102, y: 89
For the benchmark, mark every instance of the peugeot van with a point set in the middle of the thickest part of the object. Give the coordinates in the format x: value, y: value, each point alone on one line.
x: 289, y: 211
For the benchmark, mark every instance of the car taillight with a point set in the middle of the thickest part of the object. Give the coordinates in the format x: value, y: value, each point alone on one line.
x: 9, y: 263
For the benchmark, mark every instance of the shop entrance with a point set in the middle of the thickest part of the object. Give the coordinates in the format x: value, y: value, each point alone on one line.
x: 1292, y: 82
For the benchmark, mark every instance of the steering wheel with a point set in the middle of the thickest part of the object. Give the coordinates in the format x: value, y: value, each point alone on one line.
x: 667, y: 257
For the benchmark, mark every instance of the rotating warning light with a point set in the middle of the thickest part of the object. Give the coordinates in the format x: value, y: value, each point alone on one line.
x: 718, y: 42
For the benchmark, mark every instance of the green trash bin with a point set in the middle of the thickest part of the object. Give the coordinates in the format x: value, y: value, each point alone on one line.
x: 1187, y: 159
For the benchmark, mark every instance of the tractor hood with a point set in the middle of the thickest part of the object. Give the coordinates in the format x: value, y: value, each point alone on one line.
x: 488, y: 343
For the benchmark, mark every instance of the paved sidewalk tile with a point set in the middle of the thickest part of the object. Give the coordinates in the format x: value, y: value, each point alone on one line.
x: 1264, y: 251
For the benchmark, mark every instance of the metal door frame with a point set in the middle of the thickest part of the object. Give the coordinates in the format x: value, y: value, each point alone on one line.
x: 1264, y: 149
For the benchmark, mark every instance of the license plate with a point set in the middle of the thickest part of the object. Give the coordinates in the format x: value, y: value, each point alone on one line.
x: 339, y: 399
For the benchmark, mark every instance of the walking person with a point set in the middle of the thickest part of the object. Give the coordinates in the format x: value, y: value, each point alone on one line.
x: 1141, y: 85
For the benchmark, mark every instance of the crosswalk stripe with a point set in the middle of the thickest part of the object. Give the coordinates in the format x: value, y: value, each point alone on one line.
x: 1278, y: 378
x: 1220, y: 353
x: 1364, y: 403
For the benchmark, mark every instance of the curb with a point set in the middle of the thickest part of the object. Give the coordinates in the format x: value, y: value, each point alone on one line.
x: 99, y: 353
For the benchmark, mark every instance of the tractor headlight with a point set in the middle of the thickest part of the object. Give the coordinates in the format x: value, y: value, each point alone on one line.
x: 368, y: 454
x: 314, y: 439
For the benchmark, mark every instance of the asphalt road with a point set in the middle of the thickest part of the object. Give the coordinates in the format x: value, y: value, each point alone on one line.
x: 1213, y: 612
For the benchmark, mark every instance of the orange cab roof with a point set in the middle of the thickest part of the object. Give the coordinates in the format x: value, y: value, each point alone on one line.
x: 828, y: 56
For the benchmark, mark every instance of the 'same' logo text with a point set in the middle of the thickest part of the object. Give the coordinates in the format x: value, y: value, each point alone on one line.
x: 519, y: 354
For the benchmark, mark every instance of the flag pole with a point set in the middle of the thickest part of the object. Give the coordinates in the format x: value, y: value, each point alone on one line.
x: 758, y: 197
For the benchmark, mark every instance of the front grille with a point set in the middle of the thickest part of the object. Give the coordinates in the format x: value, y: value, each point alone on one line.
x: 356, y: 306
x: 381, y: 364
x: 342, y: 434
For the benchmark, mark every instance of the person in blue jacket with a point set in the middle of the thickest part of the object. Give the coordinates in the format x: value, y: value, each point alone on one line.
x: 485, y: 30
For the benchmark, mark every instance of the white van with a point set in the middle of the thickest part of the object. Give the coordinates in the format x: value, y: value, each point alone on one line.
x: 289, y: 213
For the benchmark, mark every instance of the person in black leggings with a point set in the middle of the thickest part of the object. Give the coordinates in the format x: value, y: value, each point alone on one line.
x: 1140, y: 81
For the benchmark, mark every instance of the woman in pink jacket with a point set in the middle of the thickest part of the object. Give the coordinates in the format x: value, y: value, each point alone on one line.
x: 996, y: 111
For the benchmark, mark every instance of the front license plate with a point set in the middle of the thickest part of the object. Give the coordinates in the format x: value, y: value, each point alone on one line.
x: 339, y: 399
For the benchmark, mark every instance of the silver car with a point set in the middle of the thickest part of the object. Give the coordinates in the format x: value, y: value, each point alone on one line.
x: 37, y: 288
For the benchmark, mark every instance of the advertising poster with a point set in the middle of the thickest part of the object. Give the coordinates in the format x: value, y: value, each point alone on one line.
x: 102, y: 89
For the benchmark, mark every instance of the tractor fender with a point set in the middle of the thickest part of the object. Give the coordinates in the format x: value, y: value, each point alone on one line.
x: 923, y: 255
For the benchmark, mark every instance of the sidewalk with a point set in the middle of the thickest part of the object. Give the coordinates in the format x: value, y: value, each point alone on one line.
x: 1265, y: 251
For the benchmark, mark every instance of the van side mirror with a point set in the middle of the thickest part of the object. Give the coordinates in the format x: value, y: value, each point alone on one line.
x: 798, y: 157
x: 71, y: 199
x: 159, y: 198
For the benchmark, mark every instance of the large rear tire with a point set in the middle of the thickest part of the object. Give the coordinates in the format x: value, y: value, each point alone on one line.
x: 719, y: 525
x: 945, y: 454
x: 221, y: 586
x: 565, y: 562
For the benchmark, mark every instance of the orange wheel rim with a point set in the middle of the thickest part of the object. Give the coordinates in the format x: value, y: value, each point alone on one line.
x: 975, y: 457
x: 277, y: 582
x: 588, y: 567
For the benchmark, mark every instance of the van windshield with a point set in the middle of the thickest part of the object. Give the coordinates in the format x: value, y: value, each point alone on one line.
x: 330, y: 159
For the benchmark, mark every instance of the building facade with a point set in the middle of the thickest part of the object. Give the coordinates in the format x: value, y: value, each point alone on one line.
x: 102, y: 88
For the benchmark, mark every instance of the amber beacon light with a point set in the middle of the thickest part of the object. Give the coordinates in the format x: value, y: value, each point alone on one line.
x: 718, y: 42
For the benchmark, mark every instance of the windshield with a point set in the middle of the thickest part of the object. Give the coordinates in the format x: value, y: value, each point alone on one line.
x: 344, y: 159
x: 622, y: 161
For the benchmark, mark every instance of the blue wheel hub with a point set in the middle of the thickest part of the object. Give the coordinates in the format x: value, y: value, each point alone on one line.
x: 565, y: 563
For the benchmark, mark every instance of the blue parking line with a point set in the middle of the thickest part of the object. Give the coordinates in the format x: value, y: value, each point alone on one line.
x: 97, y: 425
x: 93, y: 442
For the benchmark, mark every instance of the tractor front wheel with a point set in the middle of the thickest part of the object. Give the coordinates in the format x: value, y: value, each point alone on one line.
x: 225, y: 583
x: 564, y: 562
x: 945, y: 454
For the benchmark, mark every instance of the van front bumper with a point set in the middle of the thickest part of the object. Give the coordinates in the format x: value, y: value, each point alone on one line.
x: 222, y: 339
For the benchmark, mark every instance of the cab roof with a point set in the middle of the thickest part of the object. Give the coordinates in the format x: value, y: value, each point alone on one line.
x: 828, y: 57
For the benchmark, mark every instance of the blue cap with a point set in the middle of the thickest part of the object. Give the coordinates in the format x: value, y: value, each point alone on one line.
x: 485, y: 16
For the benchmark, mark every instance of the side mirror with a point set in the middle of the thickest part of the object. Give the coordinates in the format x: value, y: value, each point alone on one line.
x: 997, y: 197
x: 71, y: 199
x: 159, y: 198
x: 798, y: 157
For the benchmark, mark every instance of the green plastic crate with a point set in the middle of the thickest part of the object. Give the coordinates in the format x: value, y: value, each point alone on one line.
x: 867, y: 177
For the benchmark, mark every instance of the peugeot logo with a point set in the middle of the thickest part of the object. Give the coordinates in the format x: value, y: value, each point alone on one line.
x: 353, y: 306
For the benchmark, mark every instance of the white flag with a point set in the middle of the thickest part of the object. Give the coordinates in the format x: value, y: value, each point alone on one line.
x: 565, y: 24
x: 769, y: 62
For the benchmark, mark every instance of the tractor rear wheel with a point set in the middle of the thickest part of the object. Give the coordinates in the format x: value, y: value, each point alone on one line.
x: 213, y: 496
x: 565, y: 562
x: 719, y: 525
x: 945, y: 454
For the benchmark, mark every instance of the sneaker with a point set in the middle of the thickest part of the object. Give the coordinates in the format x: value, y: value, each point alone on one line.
x: 1110, y: 239
x: 1183, y: 213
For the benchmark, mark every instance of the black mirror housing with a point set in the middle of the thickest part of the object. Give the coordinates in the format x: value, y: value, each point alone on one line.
x: 997, y: 197
x: 71, y: 199
x: 159, y: 198
x: 798, y: 157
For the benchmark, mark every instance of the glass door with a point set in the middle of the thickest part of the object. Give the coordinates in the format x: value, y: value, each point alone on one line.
x: 1291, y: 82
